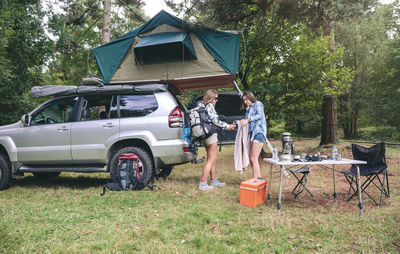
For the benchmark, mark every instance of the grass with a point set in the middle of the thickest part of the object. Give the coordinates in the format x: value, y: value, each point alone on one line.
x: 67, y: 214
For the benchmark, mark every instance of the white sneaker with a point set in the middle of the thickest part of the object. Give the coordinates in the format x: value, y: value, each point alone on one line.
x: 205, y: 187
x: 216, y: 183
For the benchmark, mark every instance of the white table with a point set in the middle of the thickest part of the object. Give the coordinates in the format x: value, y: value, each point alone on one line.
x: 323, y: 164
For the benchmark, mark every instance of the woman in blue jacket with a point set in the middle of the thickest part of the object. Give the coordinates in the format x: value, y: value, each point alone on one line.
x: 255, y: 118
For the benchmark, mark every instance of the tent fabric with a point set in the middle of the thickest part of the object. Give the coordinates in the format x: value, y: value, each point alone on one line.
x: 162, y: 17
x: 109, y: 57
x: 164, y: 46
x: 219, y: 44
x: 162, y: 38
x: 205, y: 65
x: 216, y: 52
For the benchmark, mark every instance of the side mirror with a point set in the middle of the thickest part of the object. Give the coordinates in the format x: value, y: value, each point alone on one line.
x: 25, y: 120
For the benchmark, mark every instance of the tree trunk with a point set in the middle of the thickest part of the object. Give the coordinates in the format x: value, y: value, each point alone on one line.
x: 346, y: 130
x: 268, y: 121
x: 329, y: 109
x: 106, y: 22
x: 329, y: 121
x: 354, y: 116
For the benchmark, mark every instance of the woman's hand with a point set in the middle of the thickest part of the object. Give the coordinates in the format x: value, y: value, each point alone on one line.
x: 232, y: 127
x: 244, y: 122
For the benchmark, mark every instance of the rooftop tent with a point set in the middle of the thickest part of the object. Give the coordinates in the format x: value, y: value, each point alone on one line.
x: 168, y: 49
x: 164, y: 47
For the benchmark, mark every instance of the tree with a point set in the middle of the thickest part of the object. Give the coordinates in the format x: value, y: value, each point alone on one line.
x: 269, y: 28
x: 78, y: 29
x: 382, y: 91
x: 322, y: 17
x: 24, y: 49
x: 366, y: 39
x: 106, y: 22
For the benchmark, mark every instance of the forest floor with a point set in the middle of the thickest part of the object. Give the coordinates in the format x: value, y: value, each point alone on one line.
x: 67, y: 214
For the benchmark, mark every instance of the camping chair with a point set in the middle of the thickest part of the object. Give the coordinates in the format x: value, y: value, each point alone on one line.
x: 301, y: 182
x: 376, y: 166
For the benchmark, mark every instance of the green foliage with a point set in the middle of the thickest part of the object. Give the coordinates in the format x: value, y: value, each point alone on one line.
x: 380, y: 133
x: 284, y: 59
x: 78, y: 29
x: 383, y: 92
x: 24, y: 49
x: 276, y: 129
x: 283, y: 63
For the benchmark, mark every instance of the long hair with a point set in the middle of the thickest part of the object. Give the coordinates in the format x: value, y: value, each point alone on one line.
x: 209, y: 96
x: 250, y: 96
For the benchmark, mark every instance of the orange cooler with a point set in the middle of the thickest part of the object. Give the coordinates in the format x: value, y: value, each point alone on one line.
x: 252, y: 192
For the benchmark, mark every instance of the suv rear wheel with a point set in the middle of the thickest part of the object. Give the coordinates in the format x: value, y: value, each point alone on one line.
x: 145, y: 164
x: 5, y: 174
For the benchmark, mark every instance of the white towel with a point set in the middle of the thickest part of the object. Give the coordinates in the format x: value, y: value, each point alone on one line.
x: 242, y: 145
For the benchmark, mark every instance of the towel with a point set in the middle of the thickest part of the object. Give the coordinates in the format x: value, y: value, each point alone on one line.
x: 242, y: 145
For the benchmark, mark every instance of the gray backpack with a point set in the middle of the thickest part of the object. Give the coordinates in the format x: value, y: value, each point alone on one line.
x: 200, y: 127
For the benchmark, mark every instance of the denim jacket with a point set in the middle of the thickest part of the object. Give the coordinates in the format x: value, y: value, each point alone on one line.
x: 257, y: 122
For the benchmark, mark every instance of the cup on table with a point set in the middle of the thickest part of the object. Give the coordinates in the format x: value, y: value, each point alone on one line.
x: 339, y: 157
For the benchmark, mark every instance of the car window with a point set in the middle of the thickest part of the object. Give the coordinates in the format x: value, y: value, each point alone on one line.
x: 58, y: 111
x: 137, y: 105
x: 96, y: 107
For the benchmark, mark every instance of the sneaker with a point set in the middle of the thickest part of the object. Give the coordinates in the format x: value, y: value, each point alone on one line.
x: 205, y: 187
x: 216, y: 183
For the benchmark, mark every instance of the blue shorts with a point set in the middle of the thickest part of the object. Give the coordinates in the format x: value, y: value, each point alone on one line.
x: 259, y: 138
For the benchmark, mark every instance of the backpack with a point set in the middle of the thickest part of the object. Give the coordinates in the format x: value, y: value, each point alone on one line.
x: 127, y: 176
x: 200, y: 127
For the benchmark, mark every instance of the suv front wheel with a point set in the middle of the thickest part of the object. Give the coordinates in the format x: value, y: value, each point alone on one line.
x: 5, y: 173
x: 145, y: 163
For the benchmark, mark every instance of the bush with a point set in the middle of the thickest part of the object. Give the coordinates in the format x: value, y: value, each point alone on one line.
x: 276, y: 129
x: 379, y: 133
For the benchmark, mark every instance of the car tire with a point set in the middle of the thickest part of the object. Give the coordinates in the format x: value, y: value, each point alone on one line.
x: 46, y: 175
x: 5, y: 173
x: 145, y: 170
x: 165, y: 171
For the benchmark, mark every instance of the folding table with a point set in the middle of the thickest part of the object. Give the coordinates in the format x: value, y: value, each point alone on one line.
x: 325, y: 164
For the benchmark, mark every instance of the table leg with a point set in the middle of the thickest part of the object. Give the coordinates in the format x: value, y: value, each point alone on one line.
x: 360, y: 204
x: 269, y: 186
x: 280, y: 191
x: 334, y: 184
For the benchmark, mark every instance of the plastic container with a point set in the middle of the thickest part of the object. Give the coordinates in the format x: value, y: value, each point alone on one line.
x: 186, y: 134
x: 252, y: 192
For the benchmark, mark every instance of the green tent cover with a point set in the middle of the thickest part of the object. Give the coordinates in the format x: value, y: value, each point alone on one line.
x: 223, y: 46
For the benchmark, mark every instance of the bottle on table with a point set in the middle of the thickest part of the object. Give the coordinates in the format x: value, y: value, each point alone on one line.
x: 334, y: 153
x: 275, y: 153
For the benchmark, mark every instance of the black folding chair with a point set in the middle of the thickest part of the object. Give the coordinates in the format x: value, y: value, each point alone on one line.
x: 301, y: 182
x: 375, y: 171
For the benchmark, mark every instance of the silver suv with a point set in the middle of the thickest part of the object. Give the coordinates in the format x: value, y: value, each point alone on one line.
x: 87, y: 131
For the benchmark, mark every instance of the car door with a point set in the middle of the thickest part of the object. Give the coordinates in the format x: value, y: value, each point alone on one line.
x: 96, y: 127
x: 47, y: 138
